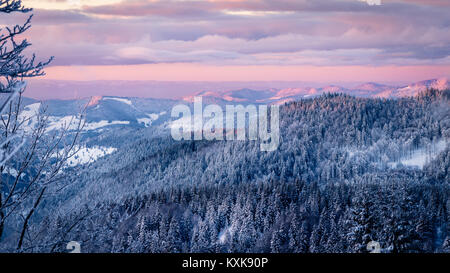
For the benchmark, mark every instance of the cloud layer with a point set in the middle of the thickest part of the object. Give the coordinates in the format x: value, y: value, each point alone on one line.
x: 254, y: 32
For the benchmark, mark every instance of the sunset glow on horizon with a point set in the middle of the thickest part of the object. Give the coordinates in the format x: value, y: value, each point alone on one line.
x: 199, y: 72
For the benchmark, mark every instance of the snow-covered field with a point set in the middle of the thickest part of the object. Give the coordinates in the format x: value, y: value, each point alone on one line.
x: 151, y: 118
x: 86, y: 155
x: 71, y: 123
x: 103, y: 123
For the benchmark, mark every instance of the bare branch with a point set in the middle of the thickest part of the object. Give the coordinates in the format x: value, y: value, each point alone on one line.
x: 9, y: 6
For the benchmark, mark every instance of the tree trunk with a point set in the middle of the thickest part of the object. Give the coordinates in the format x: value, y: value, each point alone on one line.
x: 25, y: 223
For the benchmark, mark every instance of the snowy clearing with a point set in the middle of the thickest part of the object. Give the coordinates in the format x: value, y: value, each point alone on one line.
x: 420, y: 157
x: 88, y: 155
x: 71, y: 123
x: 103, y: 123
x: 126, y: 101
x: 151, y: 118
x: 29, y: 116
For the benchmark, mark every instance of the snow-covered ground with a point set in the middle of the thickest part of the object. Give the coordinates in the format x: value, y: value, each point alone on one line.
x: 416, y: 158
x: 151, y: 118
x: 56, y: 123
x: 29, y: 116
x: 88, y: 155
x: 71, y: 122
x: 126, y: 101
x: 96, y: 125
x: 30, y: 110
x: 420, y: 157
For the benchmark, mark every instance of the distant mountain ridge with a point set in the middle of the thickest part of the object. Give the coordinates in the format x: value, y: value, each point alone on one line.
x: 108, y: 112
x: 279, y: 96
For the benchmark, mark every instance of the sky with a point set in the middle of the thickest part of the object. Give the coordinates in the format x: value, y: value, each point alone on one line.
x: 235, y: 40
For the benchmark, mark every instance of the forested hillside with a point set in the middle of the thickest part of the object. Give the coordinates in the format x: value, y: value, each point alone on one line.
x: 348, y: 171
x: 397, y: 210
x: 329, y: 139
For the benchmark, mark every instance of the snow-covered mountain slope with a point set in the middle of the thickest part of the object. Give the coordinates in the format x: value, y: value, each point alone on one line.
x: 103, y: 112
x: 86, y: 155
x: 414, y: 89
